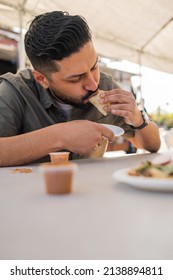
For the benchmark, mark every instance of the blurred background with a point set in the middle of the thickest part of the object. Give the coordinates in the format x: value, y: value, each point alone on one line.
x: 134, y: 40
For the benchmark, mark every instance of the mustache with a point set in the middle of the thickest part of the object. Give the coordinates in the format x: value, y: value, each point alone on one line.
x: 90, y: 93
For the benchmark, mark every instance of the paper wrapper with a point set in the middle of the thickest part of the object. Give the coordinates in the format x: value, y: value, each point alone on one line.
x: 95, y: 101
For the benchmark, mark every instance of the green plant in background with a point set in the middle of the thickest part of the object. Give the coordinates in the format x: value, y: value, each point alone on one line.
x: 162, y: 118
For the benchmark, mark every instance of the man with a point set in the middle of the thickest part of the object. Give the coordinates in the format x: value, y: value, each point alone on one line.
x: 47, y: 109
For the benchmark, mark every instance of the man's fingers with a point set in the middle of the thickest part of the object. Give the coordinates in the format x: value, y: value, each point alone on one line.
x: 107, y: 133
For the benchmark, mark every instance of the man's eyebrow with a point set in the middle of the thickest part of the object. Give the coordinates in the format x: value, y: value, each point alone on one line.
x: 78, y: 75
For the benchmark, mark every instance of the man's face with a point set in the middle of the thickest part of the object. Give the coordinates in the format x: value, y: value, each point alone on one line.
x: 78, y: 77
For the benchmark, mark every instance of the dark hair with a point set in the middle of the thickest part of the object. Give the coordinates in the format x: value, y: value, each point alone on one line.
x: 54, y: 36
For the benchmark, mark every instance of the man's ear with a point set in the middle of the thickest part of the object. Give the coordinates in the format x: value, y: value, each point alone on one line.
x: 40, y: 78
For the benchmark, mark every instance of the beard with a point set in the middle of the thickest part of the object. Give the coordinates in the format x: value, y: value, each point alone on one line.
x: 79, y: 102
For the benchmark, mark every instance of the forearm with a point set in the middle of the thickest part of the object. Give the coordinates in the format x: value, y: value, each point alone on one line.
x: 21, y: 149
x: 147, y: 138
x: 72, y: 136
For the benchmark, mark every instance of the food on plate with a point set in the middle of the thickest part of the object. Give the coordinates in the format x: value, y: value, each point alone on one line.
x: 95, y: 101
x: 152, y: 169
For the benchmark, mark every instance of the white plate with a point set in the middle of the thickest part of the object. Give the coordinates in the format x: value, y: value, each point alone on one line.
x: 118, y: 131
x: 140, y: 182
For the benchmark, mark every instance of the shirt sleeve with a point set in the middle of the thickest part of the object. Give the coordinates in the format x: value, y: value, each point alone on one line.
x: 11, y: 111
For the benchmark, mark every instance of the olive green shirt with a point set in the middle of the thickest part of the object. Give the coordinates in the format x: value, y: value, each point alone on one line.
x: 25, y: 106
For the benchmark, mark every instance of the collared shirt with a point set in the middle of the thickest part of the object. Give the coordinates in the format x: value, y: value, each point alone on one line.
x: 25, y: 106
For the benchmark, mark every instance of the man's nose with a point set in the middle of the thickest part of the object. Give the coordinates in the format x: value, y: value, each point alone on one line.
x: 90, y: 84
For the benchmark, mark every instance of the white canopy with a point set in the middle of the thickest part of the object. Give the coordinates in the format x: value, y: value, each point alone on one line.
x: 140, y: 31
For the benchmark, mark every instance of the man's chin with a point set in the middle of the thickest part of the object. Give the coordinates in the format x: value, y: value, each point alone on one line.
x: 80, y: 105
x: 85, y: 101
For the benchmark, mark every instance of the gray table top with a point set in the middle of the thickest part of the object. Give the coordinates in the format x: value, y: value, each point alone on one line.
x: 100, y: 219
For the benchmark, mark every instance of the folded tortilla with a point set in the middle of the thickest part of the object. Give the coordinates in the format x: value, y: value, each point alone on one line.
x: 95, y: 101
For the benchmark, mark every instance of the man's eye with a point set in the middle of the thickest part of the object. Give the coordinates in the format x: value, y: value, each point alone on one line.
x: 95, y: 67
x: 74, y: 81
